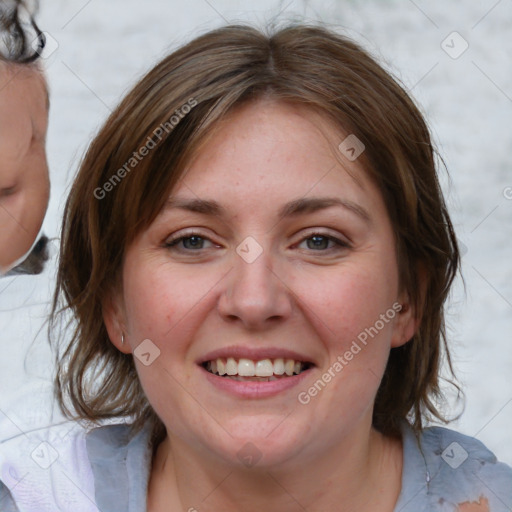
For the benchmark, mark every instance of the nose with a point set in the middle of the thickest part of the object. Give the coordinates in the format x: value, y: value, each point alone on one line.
x: 255, y: 295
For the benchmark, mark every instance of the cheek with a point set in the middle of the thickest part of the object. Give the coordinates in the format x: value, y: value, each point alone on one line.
x: 354, y: 317
x: 346, y: 301
x: 166, y: 306
x: 31, y: 202
x: 162, y: 301
x: 34, y: 207
x: 21, y: 218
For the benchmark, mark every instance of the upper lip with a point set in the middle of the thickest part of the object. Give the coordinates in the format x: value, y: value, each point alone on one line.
x: 255, y: 354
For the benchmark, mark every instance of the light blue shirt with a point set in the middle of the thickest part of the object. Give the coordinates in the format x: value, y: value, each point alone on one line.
x: 106, y: 469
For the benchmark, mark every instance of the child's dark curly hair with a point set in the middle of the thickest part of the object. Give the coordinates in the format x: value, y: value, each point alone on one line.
x: 21, y: 40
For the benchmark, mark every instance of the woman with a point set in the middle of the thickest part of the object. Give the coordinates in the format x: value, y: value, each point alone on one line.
x: 24, y: 182
x: 256, y: 253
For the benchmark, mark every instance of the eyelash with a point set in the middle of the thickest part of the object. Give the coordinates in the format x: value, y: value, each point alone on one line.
x: 339, y: 244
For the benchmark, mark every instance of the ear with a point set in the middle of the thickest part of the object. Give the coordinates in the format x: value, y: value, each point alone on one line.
x: 406, y: 324
x: 409, y: 317
x: 114, y: 319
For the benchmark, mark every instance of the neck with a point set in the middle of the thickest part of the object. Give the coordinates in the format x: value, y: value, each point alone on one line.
x: 362, y: 473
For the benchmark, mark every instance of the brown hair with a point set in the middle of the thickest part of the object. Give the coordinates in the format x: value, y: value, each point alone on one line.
x: 217, y: 72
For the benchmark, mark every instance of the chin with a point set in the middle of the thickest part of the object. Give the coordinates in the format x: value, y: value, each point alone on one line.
x: 261, y: 443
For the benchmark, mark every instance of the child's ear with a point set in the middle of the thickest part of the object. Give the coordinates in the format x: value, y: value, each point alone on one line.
x: 114, y: 319
x: 409, y: 317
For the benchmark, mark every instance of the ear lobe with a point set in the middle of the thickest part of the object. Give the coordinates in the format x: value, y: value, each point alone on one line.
x: 113, y: 318
x: 409, y: 317
x: 407, y: 323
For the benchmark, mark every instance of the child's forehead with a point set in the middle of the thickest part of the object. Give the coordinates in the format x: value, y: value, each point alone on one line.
x: 23, y: 108
x: 24, y: 101
x: 25, y: 79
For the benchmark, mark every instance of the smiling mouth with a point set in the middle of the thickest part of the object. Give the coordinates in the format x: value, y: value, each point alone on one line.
x: 264, y: 370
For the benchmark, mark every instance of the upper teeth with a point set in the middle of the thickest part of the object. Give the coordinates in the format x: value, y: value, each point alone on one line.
x: 248, y: 368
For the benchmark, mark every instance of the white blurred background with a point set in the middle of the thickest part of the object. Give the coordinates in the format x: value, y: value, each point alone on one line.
x: 104, y: 46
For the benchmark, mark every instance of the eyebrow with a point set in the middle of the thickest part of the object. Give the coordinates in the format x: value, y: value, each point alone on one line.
x: 291, y: 209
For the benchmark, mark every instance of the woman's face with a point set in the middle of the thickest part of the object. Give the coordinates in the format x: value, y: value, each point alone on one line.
x: 268, y: 250
x: 24, y: 183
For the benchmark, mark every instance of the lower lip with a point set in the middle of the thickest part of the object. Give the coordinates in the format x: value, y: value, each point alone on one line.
x: 255, y: 389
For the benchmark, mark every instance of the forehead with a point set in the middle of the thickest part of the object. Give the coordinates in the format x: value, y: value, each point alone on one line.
x: 23, y: 84
x: 23, y: 111
x: 274, y: 146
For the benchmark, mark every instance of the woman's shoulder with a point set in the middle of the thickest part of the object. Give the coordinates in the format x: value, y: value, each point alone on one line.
x: 120, y: 460
x: 66, y: 466
x: 450, y: 471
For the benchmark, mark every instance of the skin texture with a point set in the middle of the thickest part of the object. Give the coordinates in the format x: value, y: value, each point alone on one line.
x: 294, y: 296
x: 24, y: 182
x: 481, y: 506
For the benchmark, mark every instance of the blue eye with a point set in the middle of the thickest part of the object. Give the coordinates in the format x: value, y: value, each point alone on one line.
x: 316, y: 242
x: 320, y: 242
x: 192, y: 242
